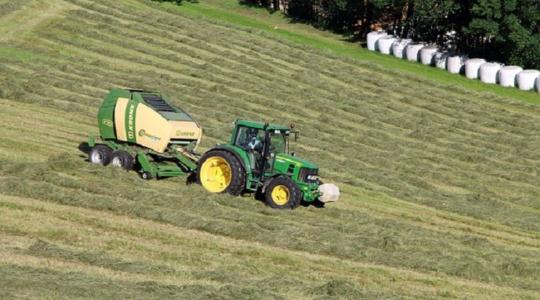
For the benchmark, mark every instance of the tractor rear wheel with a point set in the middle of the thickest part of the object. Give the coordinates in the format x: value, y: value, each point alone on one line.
x: 283, y: 193
x: 100, y: 154
x: 123, y: 160
x: 220, y: 172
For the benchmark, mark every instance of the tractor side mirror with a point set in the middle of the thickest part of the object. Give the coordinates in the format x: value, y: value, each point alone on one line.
x: 295, y: 132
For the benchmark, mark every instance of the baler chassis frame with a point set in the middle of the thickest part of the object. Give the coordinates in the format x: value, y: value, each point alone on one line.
x: 150, y: 164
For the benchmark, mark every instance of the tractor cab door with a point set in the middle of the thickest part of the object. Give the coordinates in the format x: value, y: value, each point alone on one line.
x: 252, y: 140
x: 277, y: 143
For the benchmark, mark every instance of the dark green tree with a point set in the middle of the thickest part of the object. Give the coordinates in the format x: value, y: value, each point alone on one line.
x: 503, y: 30
x: 506, y: 30
x: 430, y: 20
x: 302, y: 10
x: 392, y: 13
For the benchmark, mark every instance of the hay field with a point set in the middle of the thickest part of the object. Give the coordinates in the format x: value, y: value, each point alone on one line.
x: 440, y: 183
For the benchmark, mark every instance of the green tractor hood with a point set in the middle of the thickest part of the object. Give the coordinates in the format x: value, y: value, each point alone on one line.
x: 284, y: 158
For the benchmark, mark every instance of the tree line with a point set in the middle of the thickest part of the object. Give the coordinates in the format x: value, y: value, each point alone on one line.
x: 501, y: 30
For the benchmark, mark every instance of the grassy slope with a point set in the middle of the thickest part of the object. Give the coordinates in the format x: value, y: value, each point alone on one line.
x: 439, y: 182
x: 275, y: 23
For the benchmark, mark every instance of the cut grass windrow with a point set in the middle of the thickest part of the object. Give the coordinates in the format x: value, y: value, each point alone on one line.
x: 439, y: 182
x: 154, y: 244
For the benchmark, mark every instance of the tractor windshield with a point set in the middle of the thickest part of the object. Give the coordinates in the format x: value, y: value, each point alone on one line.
x: 253, y: 139
x: 278, y: 142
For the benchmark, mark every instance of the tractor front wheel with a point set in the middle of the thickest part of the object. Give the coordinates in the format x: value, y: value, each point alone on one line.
x: 220, y: 172
x: 283, y: 193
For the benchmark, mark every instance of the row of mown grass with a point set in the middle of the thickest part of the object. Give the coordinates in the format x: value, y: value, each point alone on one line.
x: 439, y: 184
x: 377, y: 134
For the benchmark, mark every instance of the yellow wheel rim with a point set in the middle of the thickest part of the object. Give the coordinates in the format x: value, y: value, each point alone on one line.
x: 280, y: 194
x: 215, y: 174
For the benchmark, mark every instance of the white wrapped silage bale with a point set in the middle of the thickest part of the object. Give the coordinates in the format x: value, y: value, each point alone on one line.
x: 538, y: 84
x: 455, y: 63
x: 507, y: 75
x: 426, y: 55
x: 489, y: 72
x: 373, y: 37
x: 384, y: 44
x: 440, y: 59
x: 472, y: 67
x: 398, y: 48
x: 412, y: 51
x: 527, y: 79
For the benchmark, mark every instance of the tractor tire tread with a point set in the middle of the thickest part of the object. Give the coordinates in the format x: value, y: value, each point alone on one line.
x: 128, y: 161
x: 238, y: 180
x: 106, y: 153
x: 295, y: 193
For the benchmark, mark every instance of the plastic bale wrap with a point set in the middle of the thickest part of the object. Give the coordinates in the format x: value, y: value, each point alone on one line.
x: 527, y: 79
x: 440, y: 59
x: 398, y: 47
x: 472, y: 67
x: 489, y: 72
x: 413, y: 50
x: 427, y: 54
x: 508, y: 74
x: 384, y: 44
x: 372, y: 39
x: 455, y: 63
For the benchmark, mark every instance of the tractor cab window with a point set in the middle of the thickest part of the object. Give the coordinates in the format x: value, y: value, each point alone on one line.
x: 250, y: 139
x: 278, y: 141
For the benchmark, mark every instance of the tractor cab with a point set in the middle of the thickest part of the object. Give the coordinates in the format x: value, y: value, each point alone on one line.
x: 262, y: 143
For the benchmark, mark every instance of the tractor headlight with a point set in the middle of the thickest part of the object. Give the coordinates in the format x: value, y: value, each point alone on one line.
x: 312, y: 177
x: 309, y: 175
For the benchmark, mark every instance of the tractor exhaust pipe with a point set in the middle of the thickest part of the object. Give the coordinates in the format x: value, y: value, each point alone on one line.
x: 329, y: 193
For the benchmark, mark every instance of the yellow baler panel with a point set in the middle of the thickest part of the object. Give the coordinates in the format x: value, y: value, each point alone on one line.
x: 188, y: 130
x: 120, y: 118
x: 152, y: 129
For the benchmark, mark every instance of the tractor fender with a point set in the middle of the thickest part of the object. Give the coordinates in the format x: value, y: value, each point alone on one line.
x: 268, y: 180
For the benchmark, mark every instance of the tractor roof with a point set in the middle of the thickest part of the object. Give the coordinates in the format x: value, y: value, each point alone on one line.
x: 260, y: 125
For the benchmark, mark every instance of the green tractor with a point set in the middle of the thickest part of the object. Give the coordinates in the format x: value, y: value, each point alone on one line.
x: 142, y: 130
x: 257, y: 159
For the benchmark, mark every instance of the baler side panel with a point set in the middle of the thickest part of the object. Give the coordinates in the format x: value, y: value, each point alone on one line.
x: 186, y: 130
x: 151, y: 129
x: 106, y: 118
x: 120, y: 119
